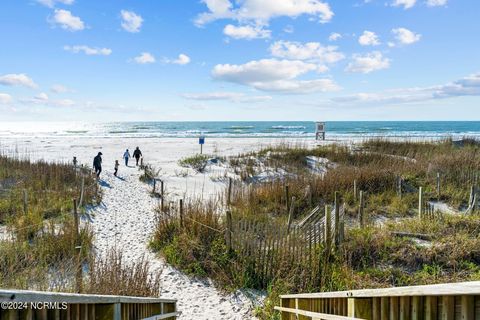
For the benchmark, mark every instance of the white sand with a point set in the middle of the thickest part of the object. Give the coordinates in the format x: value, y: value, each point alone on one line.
x: 125, y: 219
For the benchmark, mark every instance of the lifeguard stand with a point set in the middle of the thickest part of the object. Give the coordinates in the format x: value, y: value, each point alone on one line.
x: 319, y: 130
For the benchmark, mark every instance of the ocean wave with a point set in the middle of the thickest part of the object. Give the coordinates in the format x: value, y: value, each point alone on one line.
x: 288, y: 127
x: 239, y: 127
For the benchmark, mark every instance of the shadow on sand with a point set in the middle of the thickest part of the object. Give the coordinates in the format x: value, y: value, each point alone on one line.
x: 105, y: 184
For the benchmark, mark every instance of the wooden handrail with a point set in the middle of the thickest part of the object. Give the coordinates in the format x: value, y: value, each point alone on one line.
x: 446, y: 289
x: 164, y: 316
x: 43, y: 296
x: 25, y: 304
x: 314, y: 315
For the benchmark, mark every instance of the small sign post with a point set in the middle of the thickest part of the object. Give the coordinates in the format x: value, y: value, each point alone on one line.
x: 320, y: 130
x: 201, y: 142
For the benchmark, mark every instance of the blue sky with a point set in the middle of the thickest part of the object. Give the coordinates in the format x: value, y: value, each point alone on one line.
x: 239, y: 60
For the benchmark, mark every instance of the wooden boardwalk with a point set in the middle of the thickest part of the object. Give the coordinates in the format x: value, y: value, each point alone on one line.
x: 449, y: 301
x: 20, y: 304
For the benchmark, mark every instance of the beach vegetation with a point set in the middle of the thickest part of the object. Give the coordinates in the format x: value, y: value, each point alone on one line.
x: 375, y: 255
x: 197, y: 162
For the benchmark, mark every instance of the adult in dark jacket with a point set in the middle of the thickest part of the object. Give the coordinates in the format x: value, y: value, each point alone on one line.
x: 97, y: 164
x: 137, y: 154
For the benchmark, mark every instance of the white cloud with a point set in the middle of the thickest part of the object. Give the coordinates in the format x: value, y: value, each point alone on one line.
x: 436, y: 3
x: 467, y: 86
x: 312, y: 51
x: 52, y: 3
x: 369, y: 38
x: 261, y: 11
x: 182, y: 59
x: 5, y: 98
x: 67, y: 21
x: 131, y: 21
x: 368, y: 62
x: 274, y: 75
x: 43, y: 99
x: 405, y: 36
x: 235, y: 97
x: 58, y: 88
x: 89, y: 51
x: 14, y: 79
x: 407, y: 4
x: 334, y: 36
x: 145, y: 58
x: 246, y: 32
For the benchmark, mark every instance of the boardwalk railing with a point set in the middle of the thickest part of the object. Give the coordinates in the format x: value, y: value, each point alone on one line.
x: 450, y: 301
x: 20, y: 304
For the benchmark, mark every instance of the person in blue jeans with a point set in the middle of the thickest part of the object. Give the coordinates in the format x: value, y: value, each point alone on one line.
x: 126, y: 156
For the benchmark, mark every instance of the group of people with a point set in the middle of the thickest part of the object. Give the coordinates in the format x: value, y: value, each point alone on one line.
x: 97, y: 161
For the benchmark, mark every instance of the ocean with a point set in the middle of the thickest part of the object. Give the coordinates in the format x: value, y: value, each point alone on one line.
x: 281, y: 129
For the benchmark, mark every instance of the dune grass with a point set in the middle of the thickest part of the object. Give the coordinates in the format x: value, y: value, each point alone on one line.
x: 39, y: 248
x: 369, y: 257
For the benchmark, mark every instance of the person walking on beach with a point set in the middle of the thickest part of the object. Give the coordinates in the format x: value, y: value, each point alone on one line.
x: 75, y: 162
x: 97, y: 164
x: 116, y: 168
x: 137, y: 154
x: 126, y: 156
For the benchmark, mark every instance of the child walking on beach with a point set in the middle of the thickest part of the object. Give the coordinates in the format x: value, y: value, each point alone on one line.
x: 116, y: 168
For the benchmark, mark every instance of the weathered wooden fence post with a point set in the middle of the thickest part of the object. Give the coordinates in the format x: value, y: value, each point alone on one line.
x: 25, y: 201
x: 328, y: 229
x: 162, y: 199
x: 290, y: 214
x: 229, y: 192
x: 341, y: 234
x: 399, y: 187
x: 229, y: 230
x: 438, y: 186
x: 287, y: 204
x: 79, y: 273
x: 82, y: 191
x: 154, y: 185
x: 181, y: 212
x: 337, y: 219
x: 355, y: 190
x: 420, y: 202
x: 361, y: 206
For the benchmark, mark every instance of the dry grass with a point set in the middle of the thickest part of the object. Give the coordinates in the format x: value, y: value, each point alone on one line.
x: 113, y: 276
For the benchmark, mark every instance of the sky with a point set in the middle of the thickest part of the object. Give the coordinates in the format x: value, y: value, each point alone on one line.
x: 232, y: 60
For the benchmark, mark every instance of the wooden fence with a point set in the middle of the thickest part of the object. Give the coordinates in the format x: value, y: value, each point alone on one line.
x: 20, y: 304
x: 451, y: 301
x: 267, y: 247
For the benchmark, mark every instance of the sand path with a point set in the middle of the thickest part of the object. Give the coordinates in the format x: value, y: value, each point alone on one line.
x: 125, y: 219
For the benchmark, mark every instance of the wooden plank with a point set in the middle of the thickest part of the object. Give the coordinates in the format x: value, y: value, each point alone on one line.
x: 468, y: 307
x: 417, y: 308
x: 404, y: 308
x: 394, y: 308
x: 384, y: 305
x: 377, y: 309
x: 431, y: 308
x: 448, y: 308
x: 72, y: 298
x: 446, y: 289
x: 91, y: 311
x: 314, y: 315
x: 360, y: 308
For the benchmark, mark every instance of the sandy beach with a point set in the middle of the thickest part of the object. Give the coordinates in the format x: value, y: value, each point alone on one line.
x: 126, y: 219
